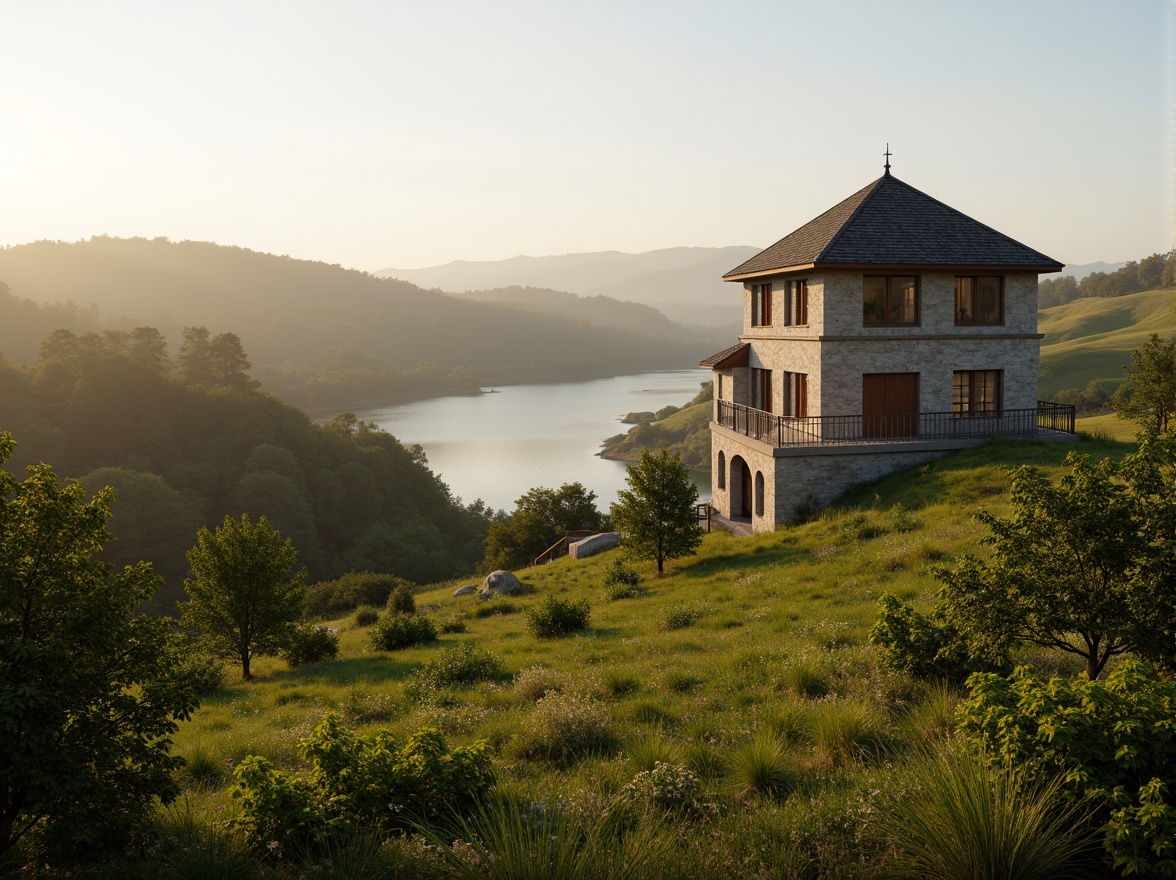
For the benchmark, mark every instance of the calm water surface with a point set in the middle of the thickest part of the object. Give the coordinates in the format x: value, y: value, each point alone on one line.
x: 497, y: 446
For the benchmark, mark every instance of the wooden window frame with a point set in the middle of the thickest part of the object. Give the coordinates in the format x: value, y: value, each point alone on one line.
x: 761, y: 305
x: 796, y: 304
x: 888, y: 301
x: 795, y: 395
x: 977, y: 394
x: 965, y: 312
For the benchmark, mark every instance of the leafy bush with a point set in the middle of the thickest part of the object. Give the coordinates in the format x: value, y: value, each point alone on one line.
x: 858, y: 527
x: 395, y: 630
x: 491, y: 607
x: 667, y: 786
x: 310, y: 644
x: 452, y: 624
x: 355, y: 782
x: 464, y: 664
x: 926, y: 646
x: 328, y: 599
x: 204, y: 673
x: 966, y: 818
x: 565, y: 727
x: 401, y: 601
x: 555, y: 617
x: 366, y: 615
x: 620, y: 581
x: 679, y: 617
x: 1114, y: 741
x: 535, y: 682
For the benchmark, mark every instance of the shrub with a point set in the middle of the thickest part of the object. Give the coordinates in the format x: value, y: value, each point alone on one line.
x: 762, y: 766
x: 667, y: 786
x: 679, y: 617
x: 620, y: 581
x: 203, y: 672
x: 328, y: 599
x: 494, y: 606
x: 564, y: 727
x: 925, y: 646
x: 310, y: 644
x: 555, y: 617
x: 965, y: 818
x: 858, y: 527
x: 394, y: 631
x: 464, y: 664
x: 902, y: 521
x: 1114, y: 740
x: 400, y: 600
x: 366, y: 615
x: 535, y: 682
x: 357, y: 781
x: 452, y: 624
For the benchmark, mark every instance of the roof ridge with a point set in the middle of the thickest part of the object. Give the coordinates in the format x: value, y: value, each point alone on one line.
x: 873, y: 188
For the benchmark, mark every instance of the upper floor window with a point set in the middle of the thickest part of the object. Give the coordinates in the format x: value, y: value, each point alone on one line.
x: 976, y: 393
x: 979, y: 300
x: 761, y: 305
x: 890, y: 299
x: 796, y: 304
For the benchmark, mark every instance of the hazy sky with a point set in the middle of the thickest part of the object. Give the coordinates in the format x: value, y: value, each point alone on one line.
x: 404, y: 134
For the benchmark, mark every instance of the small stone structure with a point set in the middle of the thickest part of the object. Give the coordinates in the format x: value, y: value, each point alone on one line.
x: 594, y: 544
x: 466, y: 590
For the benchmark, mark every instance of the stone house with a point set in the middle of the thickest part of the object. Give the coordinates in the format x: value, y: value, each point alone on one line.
x: 889, y: 331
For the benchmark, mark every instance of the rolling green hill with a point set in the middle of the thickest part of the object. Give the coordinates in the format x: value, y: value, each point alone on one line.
x: 1091, y: 338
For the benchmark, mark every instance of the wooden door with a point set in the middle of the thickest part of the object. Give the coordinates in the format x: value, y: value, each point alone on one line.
x: 890, y: 405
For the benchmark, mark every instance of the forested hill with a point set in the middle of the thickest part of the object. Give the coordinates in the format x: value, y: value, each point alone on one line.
x: 309, y: 325
x: 110, y: 410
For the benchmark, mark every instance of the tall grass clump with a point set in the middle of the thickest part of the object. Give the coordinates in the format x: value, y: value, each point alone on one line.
x: 463, y: 664
x: 565, y: 727
x: 806, y: 678
x: 653, y: 748
x: 679, y: 617
x: 963, y: 819
x: 763, y: 766
x: 846, y: 730
x: 539, y: 841
x: 555, y: 617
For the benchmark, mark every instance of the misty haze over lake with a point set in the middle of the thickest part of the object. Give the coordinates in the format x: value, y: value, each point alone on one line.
x: 497, y: 446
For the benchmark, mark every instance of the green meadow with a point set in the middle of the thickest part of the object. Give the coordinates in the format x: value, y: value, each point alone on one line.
x: 1091, y: 338
x: 748, y: 663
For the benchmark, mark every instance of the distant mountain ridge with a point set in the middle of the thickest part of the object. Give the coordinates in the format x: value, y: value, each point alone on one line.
x: 684, y: 283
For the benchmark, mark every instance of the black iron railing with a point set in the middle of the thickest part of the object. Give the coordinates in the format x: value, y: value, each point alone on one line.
x: 823, y: 430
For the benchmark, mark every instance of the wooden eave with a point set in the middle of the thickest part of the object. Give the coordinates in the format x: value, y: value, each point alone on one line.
x: 897, y: 268
x: 738, y: 355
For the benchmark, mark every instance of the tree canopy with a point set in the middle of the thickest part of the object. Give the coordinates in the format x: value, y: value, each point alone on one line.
x: 1149, y: 394
x: 246, y: 592
x: 89, y: 694
x: 540, y: 518
x: 657, y: 510
x: 1084, y: 567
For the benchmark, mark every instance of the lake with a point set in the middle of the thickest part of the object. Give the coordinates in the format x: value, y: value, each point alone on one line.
x: 496, y: 446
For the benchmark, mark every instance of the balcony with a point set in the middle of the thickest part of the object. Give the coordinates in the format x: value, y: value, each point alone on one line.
x: 1047, y: 420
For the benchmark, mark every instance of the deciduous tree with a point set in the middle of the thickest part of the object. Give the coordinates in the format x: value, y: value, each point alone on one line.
x: 657, y: 510
x: 89, y: 693
x: 1084, y: 567
x: 1149, y: 394
x: 247, y: 590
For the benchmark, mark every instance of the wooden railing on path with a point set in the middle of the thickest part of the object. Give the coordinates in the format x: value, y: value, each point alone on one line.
x: 560, y: 547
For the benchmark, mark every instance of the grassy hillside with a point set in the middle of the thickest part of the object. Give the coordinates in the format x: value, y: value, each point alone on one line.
x: 751, y: 637
x: 1091, y: 338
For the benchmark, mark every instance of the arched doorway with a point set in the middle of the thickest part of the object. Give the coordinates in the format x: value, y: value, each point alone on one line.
x: 741, y: 493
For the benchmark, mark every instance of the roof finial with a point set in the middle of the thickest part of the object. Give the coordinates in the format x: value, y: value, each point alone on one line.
x: 887, y: 155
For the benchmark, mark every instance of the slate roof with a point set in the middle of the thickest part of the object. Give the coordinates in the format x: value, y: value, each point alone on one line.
x: 735, y: 356
x: 892, y: 223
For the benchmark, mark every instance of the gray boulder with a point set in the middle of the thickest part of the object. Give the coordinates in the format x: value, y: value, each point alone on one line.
x: 499, y: 583
x: 594, y: 544
x: 466, y: 590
